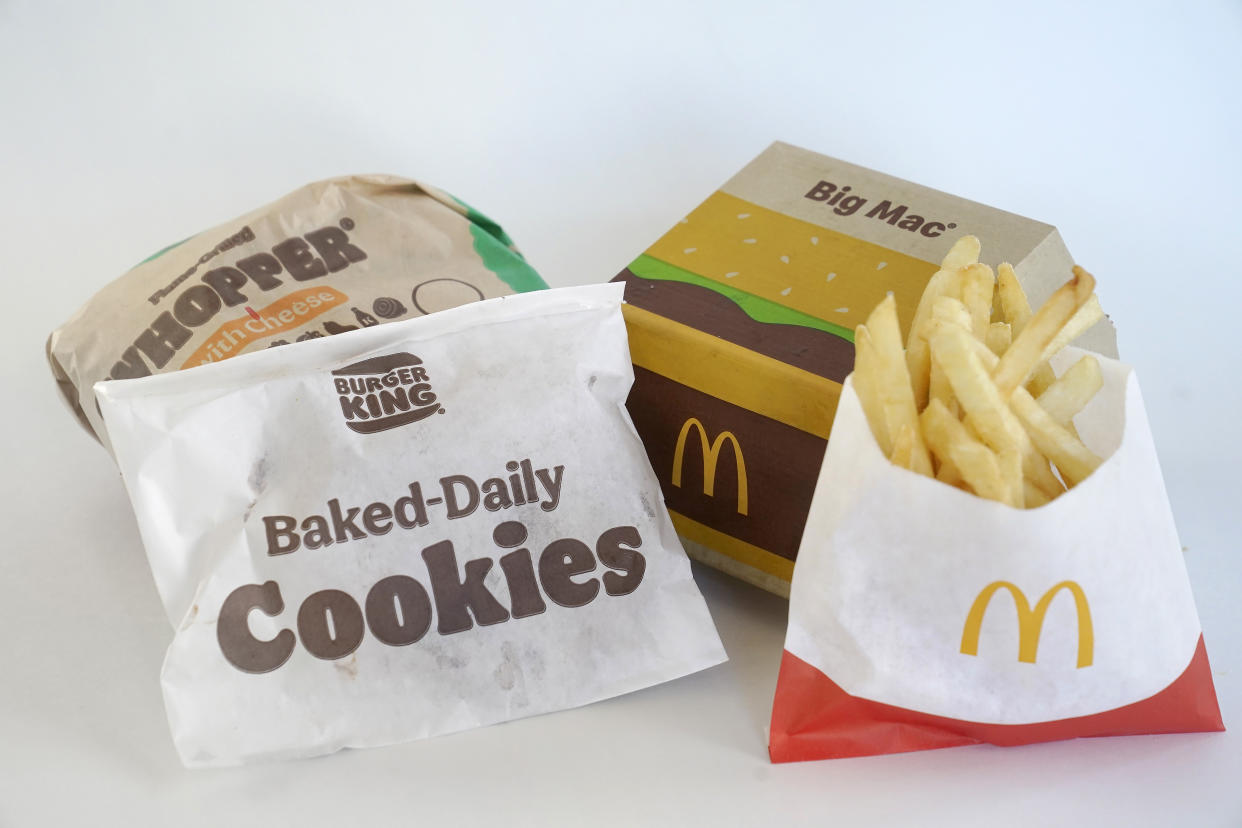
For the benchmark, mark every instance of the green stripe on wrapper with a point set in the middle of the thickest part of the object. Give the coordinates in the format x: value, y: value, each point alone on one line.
x: 758, y: 309
x: 161, y: 252
x: 499, y: 254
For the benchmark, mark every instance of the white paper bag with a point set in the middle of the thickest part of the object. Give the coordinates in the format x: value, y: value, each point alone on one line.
x: 406, y: 530
x: 923, y: 616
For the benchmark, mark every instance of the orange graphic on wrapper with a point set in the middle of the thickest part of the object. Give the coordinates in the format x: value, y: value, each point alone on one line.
x: 283, y: 315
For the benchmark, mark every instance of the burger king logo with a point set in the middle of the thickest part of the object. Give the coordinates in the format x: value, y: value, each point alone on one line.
x: 384, y: 392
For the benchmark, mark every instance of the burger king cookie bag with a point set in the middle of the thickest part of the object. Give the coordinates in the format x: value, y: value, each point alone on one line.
x: 408, y: 530
x: 949, y: 589
x: 330, y: 257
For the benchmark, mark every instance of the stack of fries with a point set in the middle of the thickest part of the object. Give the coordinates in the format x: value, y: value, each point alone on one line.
x: 972, y: 400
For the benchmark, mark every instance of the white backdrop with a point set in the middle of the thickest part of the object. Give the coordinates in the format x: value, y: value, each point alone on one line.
x: 587, y: 132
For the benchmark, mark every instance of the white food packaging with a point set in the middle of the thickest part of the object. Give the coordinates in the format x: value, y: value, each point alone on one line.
x: 509, y: 554
x: 923, y: 616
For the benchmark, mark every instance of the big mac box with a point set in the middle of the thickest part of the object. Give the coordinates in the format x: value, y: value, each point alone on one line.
x: 741, y: 322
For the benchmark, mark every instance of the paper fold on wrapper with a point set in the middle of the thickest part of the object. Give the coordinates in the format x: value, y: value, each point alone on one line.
x: 924, y: 616
x: 406, y: 530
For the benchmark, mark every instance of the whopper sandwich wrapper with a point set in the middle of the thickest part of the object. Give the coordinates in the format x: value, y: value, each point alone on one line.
x: 330, y: 257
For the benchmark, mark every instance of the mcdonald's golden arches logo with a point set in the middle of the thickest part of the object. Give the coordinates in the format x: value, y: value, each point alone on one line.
x: 1031, y: 621
x: 711, y: 455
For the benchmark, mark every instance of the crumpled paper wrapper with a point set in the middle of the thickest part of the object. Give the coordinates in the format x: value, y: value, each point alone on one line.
x: 328, y: 258
x: 591, y: 595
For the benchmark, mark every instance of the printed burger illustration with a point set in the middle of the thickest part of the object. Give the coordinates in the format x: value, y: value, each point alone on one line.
x: 384, y: 392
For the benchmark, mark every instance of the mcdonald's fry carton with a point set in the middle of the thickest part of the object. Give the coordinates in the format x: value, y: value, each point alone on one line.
x: 926, y: 617
x: 741, y: 323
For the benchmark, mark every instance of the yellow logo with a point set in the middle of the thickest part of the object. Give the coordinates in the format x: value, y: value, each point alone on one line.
x: 1030, y: 621
x: 711, y: 454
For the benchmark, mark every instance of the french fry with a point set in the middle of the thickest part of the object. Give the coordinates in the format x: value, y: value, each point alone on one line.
x: 865, y: 371
x: 946, y: 471
x: 1037, y: 471
x: 952, y: 310
x: 1072, y: 390
x: 958, y: 318
x: 1011, y: 463
x: 1033, y: 466
x: 918, y: 363
x: 918, y: 355
x: 971, y: 460
x: 986, y: 411
x: 1084, y: 318
x: 1087, y: 315
x: 1027, y: 350
x: 999, y: 336
x: 1073, y: 459
x: 893, y: 382
x: 903, y: 448
x: 1040, y: 379
x: 977, y: 284
x: 979, y: 397
x: 1016, y: 310
x: 1033, y: 496
x: 965, y: 252
x: 940, y: 391
x: 948, y: 309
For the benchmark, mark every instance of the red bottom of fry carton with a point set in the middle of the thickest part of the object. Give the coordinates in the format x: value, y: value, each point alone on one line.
x: 813, y: 718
